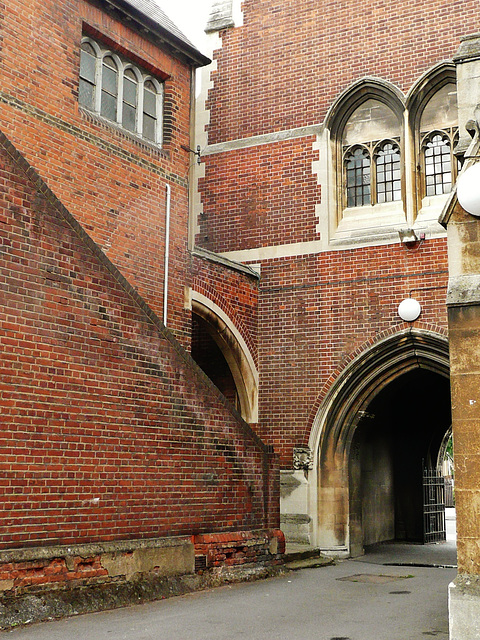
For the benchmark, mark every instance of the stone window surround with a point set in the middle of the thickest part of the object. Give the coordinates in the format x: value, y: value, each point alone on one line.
x: 363, y: 224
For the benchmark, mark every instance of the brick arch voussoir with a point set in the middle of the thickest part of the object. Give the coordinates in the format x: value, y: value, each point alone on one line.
x: 229, y: 310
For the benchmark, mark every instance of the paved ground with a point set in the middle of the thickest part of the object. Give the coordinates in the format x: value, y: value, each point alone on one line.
x: 395, y: 592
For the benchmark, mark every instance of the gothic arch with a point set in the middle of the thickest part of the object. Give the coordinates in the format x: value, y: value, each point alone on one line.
x: 389, y: 109
x: 342, y: 409
x: 236, y: 353
x: 425, y: 87
x: 360, y: 91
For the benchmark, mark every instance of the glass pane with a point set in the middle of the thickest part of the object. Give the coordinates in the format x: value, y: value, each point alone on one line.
x: 149, y: 127
x: 150, y: 103
x: 109, y: 78
x: 86, y: 94
x: 129, y: 117
x: 438, y: 175
x: 130, y: 91
x: 87, y: 66
x: 388, y: 172
x: 108, y: 107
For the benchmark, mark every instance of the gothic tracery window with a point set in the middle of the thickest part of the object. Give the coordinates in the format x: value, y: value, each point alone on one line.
x: 387, y: 163
x: 372, y: 173
x: 439, y: 163
x: 358, y: 177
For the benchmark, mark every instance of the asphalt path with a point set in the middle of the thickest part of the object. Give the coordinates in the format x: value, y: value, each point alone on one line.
x: 349, y: 601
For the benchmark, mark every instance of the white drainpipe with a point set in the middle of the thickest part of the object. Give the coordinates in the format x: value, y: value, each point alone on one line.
x: 167, y: 255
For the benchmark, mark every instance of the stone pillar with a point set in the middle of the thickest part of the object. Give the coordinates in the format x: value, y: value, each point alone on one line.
x: 464, y: 333
x: 463, y: 302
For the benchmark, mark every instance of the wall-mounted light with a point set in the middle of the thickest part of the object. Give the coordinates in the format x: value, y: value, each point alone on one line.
x: 409, y: 238
x: 468, y: 189
x: 409, y: 309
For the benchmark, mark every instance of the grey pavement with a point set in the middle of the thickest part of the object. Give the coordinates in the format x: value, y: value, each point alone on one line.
x: 361, y: 599
x: 394, y: 592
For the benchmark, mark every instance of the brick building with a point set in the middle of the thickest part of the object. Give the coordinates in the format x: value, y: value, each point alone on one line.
x: 331, y: 136
x: 123, y: 468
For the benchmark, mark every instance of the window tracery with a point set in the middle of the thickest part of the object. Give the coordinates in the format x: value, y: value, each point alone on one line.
x: 439, y: 164
x: 372, y: 173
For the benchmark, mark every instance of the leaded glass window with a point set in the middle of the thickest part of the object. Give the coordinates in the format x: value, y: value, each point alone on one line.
x: 149, y: 111
x: 87, y: 81
x: 438, y: 165
x: 358, y: 177
x: 388, y: 184
x: 130, y: 91
x: 108, y: 107
x: 120, y: 92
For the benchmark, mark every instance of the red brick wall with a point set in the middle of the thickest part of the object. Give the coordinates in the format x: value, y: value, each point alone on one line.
x: 108, y: 429
x: 111, y: 182
x: 290, y: 60
x: 319, y: 311
x: 267, y: 193
x: 283, y: 69
x: 235, y: 293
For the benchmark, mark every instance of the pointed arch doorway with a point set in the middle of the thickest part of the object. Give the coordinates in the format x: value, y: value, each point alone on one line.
x: 383, y: 420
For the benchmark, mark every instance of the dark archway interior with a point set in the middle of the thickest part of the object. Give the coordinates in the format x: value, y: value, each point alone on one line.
x: 209, y: 357
x: 400, y: 432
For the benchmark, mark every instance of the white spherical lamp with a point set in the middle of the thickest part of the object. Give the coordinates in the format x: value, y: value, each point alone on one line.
x: 468, y: 189
x: 409, y: 309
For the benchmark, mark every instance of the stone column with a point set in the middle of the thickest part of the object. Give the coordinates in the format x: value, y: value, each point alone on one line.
x: 463, y: 302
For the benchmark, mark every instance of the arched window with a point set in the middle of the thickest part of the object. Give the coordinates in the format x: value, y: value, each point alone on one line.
x: 130, y: 92
x: 372, y: 173
x: 358, y: 177
x: 87, y: 82
x: 438, y: 164
x: 120, y: 92
x: 435, y: 120
x: 150, y: 111
x: 108, y: 103
x: 387, y: 164
x: 370, y: 135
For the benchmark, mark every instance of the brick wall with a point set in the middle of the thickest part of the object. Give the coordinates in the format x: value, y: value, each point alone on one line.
x: 288, y: 62
x: 235, y: 293
x: 267, y: 193
x: 109, y: 431
x: 283, y: 70
x: 319, y: 311
x: 111, y: 181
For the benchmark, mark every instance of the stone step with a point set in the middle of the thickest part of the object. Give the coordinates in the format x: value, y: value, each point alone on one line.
x: 309, y: 563
x: 304, y: 557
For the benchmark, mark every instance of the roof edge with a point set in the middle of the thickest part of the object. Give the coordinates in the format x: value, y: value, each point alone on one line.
x: 182, y: 46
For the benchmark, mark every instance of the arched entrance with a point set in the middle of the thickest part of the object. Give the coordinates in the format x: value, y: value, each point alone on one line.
x: 382, y: 421
x: 219, y: 349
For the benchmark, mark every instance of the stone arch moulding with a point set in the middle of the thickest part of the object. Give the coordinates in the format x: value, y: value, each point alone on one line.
x: 356, y: 94
x: 235, y: 351
x: 337, y: 418
x: 426, y: 86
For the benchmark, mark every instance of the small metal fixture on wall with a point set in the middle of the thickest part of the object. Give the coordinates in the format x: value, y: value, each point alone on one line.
x: 196, y: 153
x: 410, y: 240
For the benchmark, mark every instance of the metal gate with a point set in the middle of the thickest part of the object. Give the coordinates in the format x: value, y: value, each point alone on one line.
x: 433, y: 506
